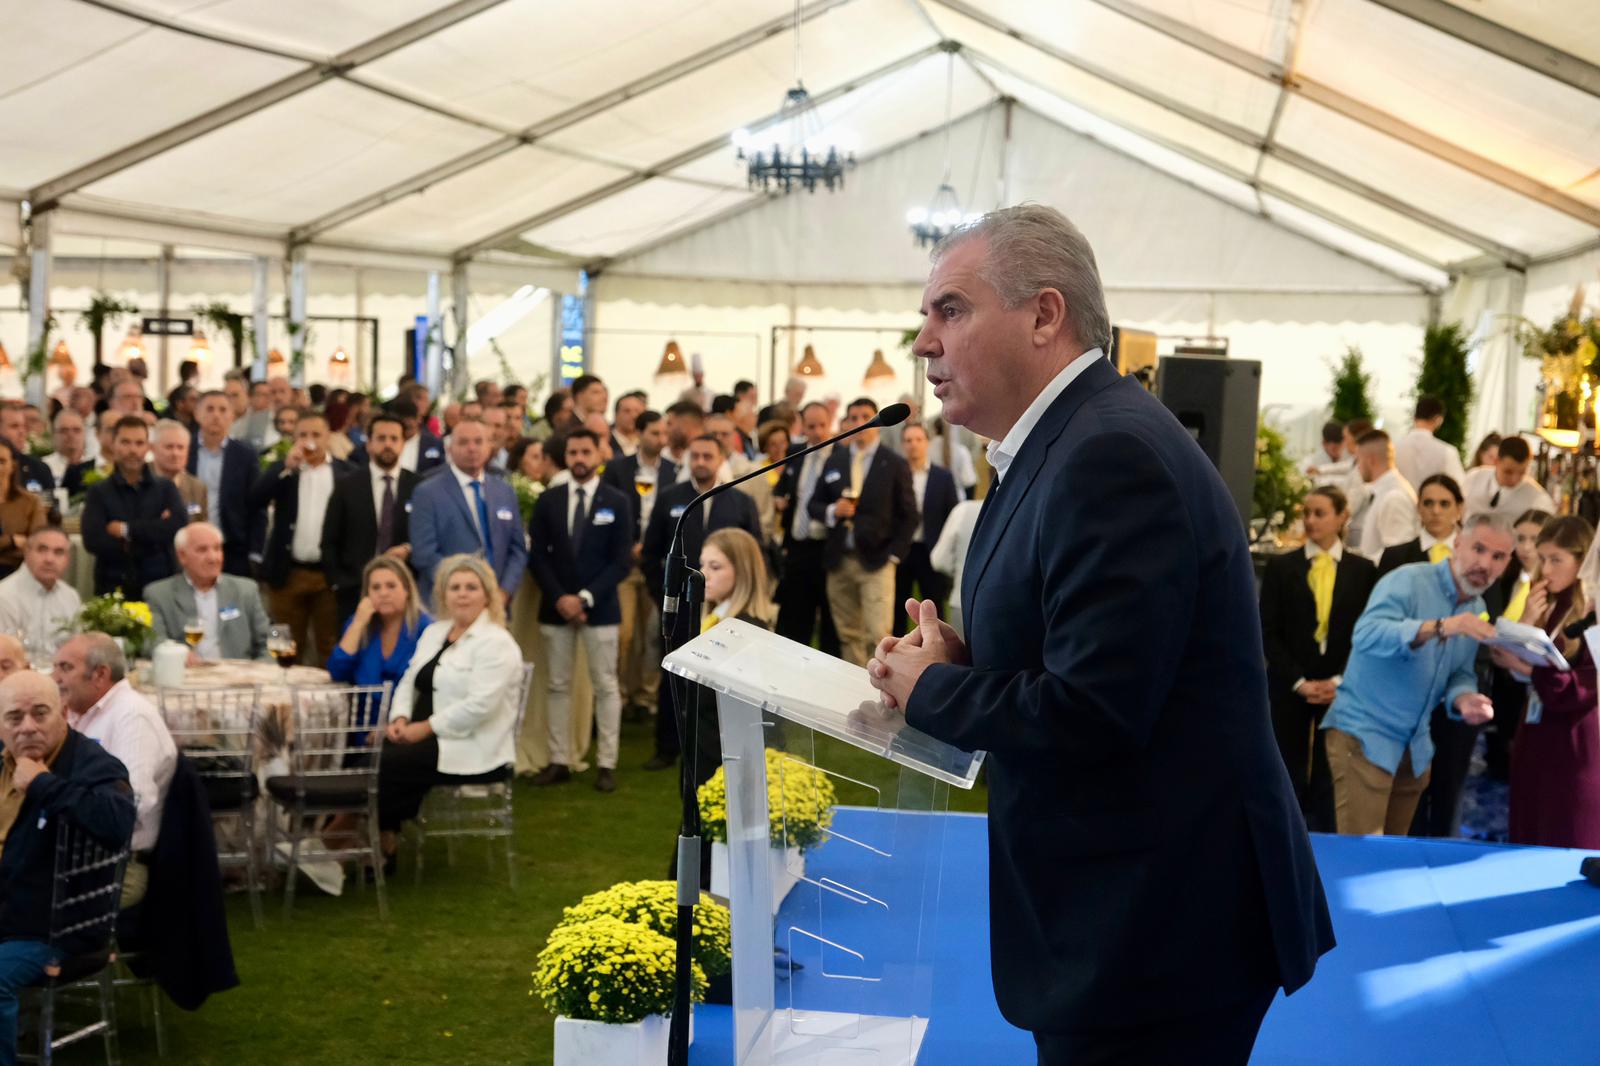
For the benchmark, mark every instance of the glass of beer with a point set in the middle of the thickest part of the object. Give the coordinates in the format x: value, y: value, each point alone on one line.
x: 644, y: 482
x: 280, y: 645
x: 193, y: 633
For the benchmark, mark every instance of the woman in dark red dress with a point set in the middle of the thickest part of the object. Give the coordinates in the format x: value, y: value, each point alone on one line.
x: 1555, y: 758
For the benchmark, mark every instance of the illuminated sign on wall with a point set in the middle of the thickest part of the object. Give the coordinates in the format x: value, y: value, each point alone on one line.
x: 574, y: 324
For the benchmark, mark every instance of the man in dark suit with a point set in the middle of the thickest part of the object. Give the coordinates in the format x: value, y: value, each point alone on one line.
x: 1152, y: 885
x: 639, y: 639
x: 422, y: 451
x: 936, y: 494
x: 581, y: 547
x: 228, y: 468
x: 35, y: 474
x: 726, y: 509
x: 299, y: 487
x: 130, y: 518
x: 803, y: 593
x: 867, y: 502
x: 367, y: 515
x: 464, y: 508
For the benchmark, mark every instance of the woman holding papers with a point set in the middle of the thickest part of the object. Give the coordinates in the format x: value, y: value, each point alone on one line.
x: 1555, y: 762
x: 1310, y: 600
x: 1510, y: 692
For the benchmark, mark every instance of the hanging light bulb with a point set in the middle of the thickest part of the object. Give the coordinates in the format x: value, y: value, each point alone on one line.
x: 809, y: 367
x: 200, y: 348
x: 5, y: 360
x: 132, y: 346
x: 943, y: 214
x: 340, y: 370
x: 673, y: 372
x: 879, y: 372
x: 277, y: 365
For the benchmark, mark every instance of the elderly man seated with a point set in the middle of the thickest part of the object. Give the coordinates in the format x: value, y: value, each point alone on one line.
x: 103, y: 705
x: 36, y: 605
x: 228, y: 608
x: 49, y: 773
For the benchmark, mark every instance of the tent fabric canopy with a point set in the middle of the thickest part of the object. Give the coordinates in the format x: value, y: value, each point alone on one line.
x: 1418, y: 136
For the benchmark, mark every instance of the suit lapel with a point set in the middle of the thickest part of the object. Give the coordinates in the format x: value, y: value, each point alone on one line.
x: 1001, y: 504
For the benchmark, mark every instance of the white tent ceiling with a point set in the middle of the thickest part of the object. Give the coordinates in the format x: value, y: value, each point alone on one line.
x: 1413, y: 134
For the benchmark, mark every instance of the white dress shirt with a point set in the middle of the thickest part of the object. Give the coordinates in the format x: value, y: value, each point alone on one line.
x: 1491, y: 496
x: 129, y: 727
x: 35, y: 614
x: 1003, y: 452
x: 588, y: 489
x: 378, y: 474
x: 208, y: 468
x: 409, y: 452
x: 810, y: 471
x: 1419, y: 455
x: 1391, y: 517
x: 315, y: 489
x: 647, y: 501
x: 205, y: 608
x: 919, y: 486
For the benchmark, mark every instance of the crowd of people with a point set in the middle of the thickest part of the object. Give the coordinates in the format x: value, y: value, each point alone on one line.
x: 1385, y: 662
x: 393, y: 541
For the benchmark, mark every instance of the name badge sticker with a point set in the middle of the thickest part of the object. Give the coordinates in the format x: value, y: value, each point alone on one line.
x: 227, y: 614
x: 408, y: 507
x: 678, y: 510
x: 604, y: 517
x: 831, y: 476
x: 194, y: 508
x: 431, y: 453
x: 504, y: 514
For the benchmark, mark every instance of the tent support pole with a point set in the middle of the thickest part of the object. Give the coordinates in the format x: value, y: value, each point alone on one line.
x: 297, y: 319
x: 258, y: 313
x: 38, y: 297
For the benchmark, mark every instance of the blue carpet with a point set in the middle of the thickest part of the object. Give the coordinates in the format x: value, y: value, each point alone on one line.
x: 1449, y: 952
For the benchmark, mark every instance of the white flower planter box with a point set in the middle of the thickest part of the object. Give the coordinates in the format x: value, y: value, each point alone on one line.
x: 788, y: 865
x: 641, y: 1043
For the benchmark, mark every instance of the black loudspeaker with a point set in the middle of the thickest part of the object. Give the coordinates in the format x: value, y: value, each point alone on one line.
x: 1216, y: 399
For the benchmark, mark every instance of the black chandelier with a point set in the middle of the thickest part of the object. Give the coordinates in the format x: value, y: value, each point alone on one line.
x: 943, y: 214
x: 810, y: 158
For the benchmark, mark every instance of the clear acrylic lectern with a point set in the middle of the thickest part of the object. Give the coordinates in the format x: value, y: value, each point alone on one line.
x: 843, y: 973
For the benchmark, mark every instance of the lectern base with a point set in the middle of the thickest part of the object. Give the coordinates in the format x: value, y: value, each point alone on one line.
x: 823, y: 1038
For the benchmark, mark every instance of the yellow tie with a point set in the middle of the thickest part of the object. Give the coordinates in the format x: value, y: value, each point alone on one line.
x: 1321, y: 581
x: 1439, y: 552
x: 1519, y: 601
x: 708, y: 621
x: 856, y: 473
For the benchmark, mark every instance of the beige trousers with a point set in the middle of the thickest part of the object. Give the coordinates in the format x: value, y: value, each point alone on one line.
x: 1367, y: 799
x: 862, y: 602
x: 533, y: 749
x: 639, y: 643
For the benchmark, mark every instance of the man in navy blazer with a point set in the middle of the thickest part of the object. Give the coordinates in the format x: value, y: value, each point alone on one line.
x: 581, y: 537
x: 448, y: 517
x: 1151, y: 882
x: 422, y: 452
x: 228, y: 469
x: 937, y: 496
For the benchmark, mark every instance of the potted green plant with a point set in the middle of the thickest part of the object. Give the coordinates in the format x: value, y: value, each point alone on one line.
x: 1279, y: 486
x: 1444, y: 375
x: 1351, y: 382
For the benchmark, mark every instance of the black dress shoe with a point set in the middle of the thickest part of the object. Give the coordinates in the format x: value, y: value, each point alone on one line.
x: 606, y: 781
x: 658, y: 762
x: 554, y: 774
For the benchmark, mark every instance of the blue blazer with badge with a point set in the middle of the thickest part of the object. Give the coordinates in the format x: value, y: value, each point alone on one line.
x: 603, y: 559
x: 441, y: 525
x: 1147, y: 858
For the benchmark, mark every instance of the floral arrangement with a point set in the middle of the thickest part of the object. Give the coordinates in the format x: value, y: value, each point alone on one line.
x: 40, y: 445
x: 277, y: 452
x: 528, y: 493
x: 1568, y: 351
x: 611, y: 958
x: 115, y: 616
x: 800, y: 801
x: 1278, y: 487
x: 655, y: 904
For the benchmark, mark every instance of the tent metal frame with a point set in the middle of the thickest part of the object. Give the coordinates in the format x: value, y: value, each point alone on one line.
x: 1492, y: 37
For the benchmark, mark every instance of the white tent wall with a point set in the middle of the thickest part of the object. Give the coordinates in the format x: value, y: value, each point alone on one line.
x: 1488, y: 304
x: 394, y: 298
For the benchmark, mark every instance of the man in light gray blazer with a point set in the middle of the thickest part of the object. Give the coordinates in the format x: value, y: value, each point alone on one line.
x: 229, y: 608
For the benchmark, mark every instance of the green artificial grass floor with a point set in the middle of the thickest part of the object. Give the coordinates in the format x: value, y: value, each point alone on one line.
x: 447, y: 979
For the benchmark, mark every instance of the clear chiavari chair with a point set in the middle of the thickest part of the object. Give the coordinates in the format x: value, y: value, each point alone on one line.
x: 485, y: 811
x: 216, y: 729
x: 333, y: 770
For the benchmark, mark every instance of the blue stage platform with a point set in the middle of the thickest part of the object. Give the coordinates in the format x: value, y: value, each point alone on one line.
x: 1449, y: 952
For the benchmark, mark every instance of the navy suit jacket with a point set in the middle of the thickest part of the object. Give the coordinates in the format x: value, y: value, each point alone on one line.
x: 280, y: 487
x: 886, y: 513
x: 1148, y: 861
x: 442, y: 525
x: 939, y: 498
x: 619, y: 475
x: 732, y: 508
x: 239, y: 469
x: 603, y: 559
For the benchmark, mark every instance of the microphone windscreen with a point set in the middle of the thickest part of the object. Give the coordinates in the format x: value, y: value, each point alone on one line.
x: 894, y: 414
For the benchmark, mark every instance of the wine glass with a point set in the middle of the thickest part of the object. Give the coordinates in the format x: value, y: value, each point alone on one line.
x: 193, y: 633
x: 280, y: 645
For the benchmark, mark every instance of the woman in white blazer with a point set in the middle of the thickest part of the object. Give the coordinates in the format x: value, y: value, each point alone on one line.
x: 453, y: 713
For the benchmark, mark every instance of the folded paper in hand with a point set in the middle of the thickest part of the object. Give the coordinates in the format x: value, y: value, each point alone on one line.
x: 1528, y: 643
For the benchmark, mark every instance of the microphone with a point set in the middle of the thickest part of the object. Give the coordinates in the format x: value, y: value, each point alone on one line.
x: 679, y: 597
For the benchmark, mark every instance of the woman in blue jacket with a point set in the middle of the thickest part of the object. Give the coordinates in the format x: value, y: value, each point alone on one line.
x: 381, y: 636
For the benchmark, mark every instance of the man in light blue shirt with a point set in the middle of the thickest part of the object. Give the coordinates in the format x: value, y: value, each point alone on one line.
x: 1413, y: 648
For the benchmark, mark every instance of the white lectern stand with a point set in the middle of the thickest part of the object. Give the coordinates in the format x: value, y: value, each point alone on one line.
x: 851, y: 980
